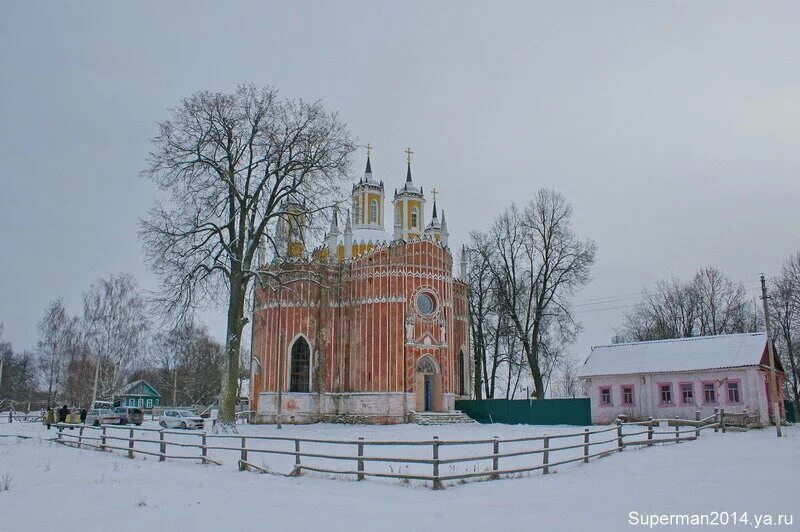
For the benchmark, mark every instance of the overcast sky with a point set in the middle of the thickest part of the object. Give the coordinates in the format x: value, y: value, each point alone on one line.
x: 672, y: 127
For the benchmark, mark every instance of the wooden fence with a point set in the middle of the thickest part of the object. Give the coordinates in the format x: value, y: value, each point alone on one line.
x: 614, y: 438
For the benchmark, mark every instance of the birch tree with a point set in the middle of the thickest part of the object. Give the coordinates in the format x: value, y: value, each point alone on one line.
x: 115, y: 326
x: 56, y: 333
x: 227, y: 163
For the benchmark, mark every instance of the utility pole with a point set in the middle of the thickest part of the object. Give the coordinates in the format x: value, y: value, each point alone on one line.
x: 773, y: 385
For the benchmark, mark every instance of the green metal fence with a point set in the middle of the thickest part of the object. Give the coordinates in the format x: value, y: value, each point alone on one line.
x: 525, y: 412
x: 791, y: 415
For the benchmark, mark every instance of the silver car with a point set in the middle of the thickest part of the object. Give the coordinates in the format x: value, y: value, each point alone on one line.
x: 180, y: 419
x: 101, y: 416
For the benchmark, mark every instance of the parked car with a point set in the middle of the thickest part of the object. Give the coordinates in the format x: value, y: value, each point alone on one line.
x: 101, y: 416
x: 129, y: 415
x: 183, y: 419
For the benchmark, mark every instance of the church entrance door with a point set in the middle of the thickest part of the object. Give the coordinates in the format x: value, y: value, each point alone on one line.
x: 428, y: 393
x: 428, y: 385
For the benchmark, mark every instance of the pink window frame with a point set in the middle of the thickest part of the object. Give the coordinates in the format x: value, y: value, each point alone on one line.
x: 738, y: 382
x: 671, y: 393
x: 622, y: 395
x: 610, y: 396
x: 703, y: 392
x: 690, y: 384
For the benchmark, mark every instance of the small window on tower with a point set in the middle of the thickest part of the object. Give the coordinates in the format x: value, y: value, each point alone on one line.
x: 414, y: 218
x: 373, y: 212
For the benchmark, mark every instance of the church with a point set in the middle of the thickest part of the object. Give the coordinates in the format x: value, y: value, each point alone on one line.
x: 374, y: 327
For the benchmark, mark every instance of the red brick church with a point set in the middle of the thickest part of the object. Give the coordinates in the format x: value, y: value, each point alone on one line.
x: 375, y: 326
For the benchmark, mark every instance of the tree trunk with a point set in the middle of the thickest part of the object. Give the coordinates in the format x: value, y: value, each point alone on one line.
x: 233, y: 343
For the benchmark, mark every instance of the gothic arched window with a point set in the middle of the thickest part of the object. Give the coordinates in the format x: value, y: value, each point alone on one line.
x: 300, y: 367
x: 460, y: 373
x: 414, y: 218
x: 373, y: 212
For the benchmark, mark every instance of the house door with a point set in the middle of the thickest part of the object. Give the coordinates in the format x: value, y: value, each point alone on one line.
x: 428, y: 393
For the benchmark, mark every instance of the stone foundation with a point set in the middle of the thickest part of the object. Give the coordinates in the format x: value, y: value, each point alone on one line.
x: 350, y: 407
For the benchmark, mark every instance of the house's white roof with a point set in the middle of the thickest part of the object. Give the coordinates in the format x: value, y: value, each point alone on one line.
x: 683, y: 354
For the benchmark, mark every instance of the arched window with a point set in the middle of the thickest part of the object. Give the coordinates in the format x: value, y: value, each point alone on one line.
x: 300, y: 367
x: 373, y: 212
x: 414, y: 218
x: 460, y: 372
x: 355, y: 212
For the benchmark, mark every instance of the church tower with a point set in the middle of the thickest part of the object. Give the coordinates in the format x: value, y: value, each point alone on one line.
x: 367, y: 200
x: 292, y: 226
x: 409, y: 207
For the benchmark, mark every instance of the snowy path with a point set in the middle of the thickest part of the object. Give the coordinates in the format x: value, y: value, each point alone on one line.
x: 55, y: 486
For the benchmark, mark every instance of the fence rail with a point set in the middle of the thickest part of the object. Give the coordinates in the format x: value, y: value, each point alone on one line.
x: 594, y: 443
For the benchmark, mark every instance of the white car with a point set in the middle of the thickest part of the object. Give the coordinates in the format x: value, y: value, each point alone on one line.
x: 180, y: 419
x: 101, y: 416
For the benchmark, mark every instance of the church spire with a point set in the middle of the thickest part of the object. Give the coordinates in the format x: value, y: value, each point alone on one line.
x: 409, y: 153
x: 368, y: 170
x: 434, y: 192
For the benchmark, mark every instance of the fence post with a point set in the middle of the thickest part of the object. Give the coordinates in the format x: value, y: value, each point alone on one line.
x: 697, y: 424
x: 722, y: 419
x: 243, y: 459
x: 619, y: 435
x: 130, y: 444
x: 437, y: 484
x: 103, y: 439
x: 677, y: 430
x: 297, y: 471
x: 360, y: 475
x: 650, y: 431
x: 586, y: 446
x: 80, y: 436
x: 204, y: 447
x: 546, y: 455
x: 162, y: 446
x: 496, y: 459
x: 60, y: 432
x: 716, y: 420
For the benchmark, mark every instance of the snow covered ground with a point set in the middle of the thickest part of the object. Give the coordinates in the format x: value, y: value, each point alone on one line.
x: 55, y: 487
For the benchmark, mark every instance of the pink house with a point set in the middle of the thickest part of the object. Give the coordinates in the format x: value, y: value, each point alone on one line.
x: 669, y: 378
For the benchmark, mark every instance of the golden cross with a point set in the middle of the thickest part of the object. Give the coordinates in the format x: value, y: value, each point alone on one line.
x: 409, y: 153
x: 369, y: 148
x: 434, y: 192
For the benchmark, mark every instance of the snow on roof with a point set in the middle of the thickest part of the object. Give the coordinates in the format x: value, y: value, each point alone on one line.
x: 375, y: 235
x: 683, y: 354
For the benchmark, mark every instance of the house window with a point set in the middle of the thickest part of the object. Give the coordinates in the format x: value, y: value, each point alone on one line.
x: 733, y: 392
x: 414, y: 218
x: 627, y: 395
x: 141, y: 402
x: 373, y: 211
x: 300, y: 366
x: 149, y: 403
x: 131, y: 402
x: 709, y: 393
x: 687, y: 393
x: 605, y: 396
x: 665, y: 393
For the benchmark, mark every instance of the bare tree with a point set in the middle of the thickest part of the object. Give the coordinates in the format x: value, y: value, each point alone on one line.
x: 190, y: 364
x: 229, y: 164
x: 18, y: 380
x: 566, y: 382
x: 722, y: 305
x: 56, y: 333
x: 709, y: 304
x: 538, y: 263
x: 115, y: 326
x: 784, y: 308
